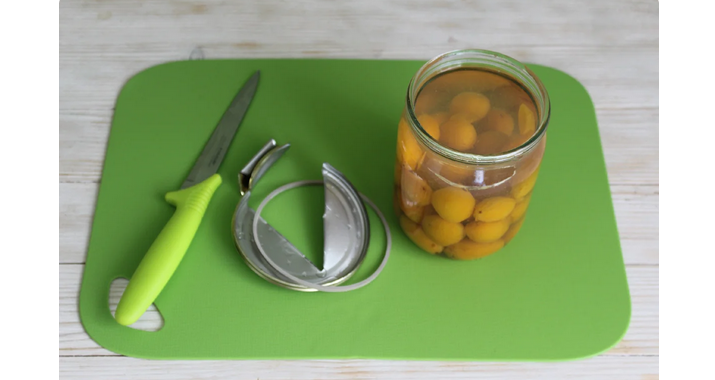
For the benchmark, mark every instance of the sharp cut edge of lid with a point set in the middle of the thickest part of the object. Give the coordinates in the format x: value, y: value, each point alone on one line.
x: 346, y: 226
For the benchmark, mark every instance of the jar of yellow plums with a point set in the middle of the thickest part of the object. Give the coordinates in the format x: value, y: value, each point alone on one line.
x: 469, y: 147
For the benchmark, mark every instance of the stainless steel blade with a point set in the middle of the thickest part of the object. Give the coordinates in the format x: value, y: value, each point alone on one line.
x: 215, y: 150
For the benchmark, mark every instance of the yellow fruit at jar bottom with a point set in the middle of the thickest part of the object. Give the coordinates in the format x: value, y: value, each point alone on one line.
x: 458, y: 134
x: 490, y: 142
x: 469, y: 250
x: 522, y: 189
x: 472, y: 103
x: 485, y: 232
x: 520, y: 208
x: 418, y: 236
x: 527, y: 121
x: 441, y: 231
x: 493, y: 209
x: 415, y: 213
x: 409, y: 151
x: 513, y: 230
x: 453, y: 204
x: 430, y: 125
x: 415, y: 190
x: 499, y: 120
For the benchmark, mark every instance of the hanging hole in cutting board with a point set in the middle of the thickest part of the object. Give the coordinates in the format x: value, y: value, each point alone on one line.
x: 298, y: 215
x: 152, y: 320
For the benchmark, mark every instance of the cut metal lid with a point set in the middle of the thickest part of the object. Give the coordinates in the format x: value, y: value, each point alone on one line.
x: 346, y: 229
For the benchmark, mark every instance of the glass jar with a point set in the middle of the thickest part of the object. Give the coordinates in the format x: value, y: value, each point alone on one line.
x: 469, y: 148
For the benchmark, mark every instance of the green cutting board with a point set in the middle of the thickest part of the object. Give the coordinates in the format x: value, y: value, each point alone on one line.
x: 557, y: 292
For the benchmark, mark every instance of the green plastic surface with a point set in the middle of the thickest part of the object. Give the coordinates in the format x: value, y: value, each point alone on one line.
x: 558, y: 291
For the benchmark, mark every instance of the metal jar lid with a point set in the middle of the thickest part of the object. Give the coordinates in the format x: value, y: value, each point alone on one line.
x: 270, y: 255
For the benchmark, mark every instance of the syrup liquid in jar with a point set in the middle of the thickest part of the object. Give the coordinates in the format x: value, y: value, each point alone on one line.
x: 457, y: 209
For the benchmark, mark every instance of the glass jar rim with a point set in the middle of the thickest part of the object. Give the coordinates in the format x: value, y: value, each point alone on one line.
x: 493, y: 61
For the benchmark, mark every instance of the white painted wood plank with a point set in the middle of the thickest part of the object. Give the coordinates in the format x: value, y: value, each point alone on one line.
x: 83, y: 143
x: 73, y: 339
x: 629, y: 138
x: 399, y: 23
x: 599, y: 368
x: 77, y: 203
x: 636, y: 210
x: 641, y: 338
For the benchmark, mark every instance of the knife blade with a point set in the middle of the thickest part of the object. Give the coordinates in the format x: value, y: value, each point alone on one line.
x: 211, y: 157
x: 191, y: 201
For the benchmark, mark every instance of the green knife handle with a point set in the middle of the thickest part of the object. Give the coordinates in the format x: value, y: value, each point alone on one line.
x: 165, y: 254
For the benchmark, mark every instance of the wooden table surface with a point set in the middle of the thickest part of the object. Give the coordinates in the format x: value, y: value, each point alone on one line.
x: 610, y: 46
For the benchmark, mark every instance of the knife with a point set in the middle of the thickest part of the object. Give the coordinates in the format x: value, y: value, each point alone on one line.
x: 191, y: 201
